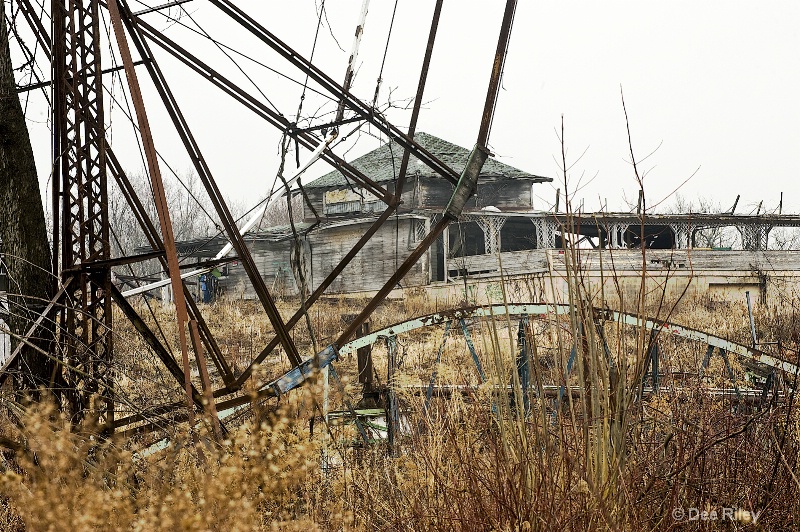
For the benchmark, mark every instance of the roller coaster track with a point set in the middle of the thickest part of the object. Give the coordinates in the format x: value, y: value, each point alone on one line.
x: 295, y: 378
x: 751, y: 354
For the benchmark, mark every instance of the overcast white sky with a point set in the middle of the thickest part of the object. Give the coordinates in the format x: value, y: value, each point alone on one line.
x: 711, y: 86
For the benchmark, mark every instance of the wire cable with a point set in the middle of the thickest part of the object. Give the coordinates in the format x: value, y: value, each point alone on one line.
x: 383, y: 61
x: 177, y: 22
x: 311, y: 58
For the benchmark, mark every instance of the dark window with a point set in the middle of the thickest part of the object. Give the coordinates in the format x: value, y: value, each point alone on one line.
x: 517, y: 234
x: 655, y: 236
x: 466, y: 240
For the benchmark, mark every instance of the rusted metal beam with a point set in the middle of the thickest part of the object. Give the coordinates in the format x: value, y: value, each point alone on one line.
x: 315, y: 295
x: 497, y: 72
x: 159, y: 196
x: 462, y: 192
x: 81, y: 230
x: 42, y: 84
x: 45, y: 315
x: 108, y: 263
x: 208, y: 339
x: 150, y: 338
x: 208, y: 396
x: 390, y: 285
x: 37, y: 27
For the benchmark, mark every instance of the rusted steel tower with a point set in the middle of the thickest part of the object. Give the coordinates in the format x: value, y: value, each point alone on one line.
x: 81, y: 231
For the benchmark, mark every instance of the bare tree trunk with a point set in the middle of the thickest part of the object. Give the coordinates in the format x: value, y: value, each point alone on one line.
x: 22, y: 229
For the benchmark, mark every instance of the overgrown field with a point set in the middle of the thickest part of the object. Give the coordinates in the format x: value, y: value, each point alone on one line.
x: 597, y: 448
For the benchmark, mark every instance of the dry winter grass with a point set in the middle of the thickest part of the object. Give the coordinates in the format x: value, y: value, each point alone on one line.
x: 607, y: 459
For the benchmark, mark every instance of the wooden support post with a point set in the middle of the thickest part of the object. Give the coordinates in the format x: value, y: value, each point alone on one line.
x: 364, y: 354
x: 393, y: 414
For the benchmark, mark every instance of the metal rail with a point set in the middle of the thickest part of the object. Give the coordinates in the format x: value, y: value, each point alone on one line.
x: 542, y: 309
x: 293, y: 378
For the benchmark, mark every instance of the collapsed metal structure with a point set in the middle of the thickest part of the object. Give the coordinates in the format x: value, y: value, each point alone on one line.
x: 84, y: 163
x: 768, y: 367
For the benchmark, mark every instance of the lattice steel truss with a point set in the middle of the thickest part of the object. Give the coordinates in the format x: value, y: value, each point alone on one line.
x: 80, y: 164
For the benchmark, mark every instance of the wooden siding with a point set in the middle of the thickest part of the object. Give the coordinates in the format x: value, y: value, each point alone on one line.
x: 369, y: 270
x: 512, y: 194
x: 376, y: 262
x: 698, y: 260
x: 272, y: 261
x: 514, y: 262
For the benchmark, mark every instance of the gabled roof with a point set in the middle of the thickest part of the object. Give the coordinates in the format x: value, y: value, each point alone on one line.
x: 382, y: 164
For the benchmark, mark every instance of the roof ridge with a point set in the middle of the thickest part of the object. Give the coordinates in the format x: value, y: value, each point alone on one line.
x: 382, y: 163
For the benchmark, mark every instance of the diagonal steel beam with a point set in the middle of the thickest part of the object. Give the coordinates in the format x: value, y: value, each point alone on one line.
x: 36, y: 25
x: 497, y: 73
x: 308, y: 140
x: 36, y: 324
x: 182, y: 314
x: 210, y: 185
x: 149, y: 336
x: 359, y: 107
x: 81, y: 231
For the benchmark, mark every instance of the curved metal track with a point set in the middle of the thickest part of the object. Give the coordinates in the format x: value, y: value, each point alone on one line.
x: 296, y: 376
x: 541, y: 309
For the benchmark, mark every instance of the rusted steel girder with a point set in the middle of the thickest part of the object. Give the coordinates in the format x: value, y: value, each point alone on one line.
x: 43, y: 84
x: 160, y: 199
x: 81, y: 231
x: 497, y: 73
x: 46, y: 315
x: 161, y: 352
x: 36, y: 26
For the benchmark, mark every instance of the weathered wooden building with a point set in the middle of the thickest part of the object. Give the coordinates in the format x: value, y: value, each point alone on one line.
x: 337, y: 213
x: 500, y: 229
